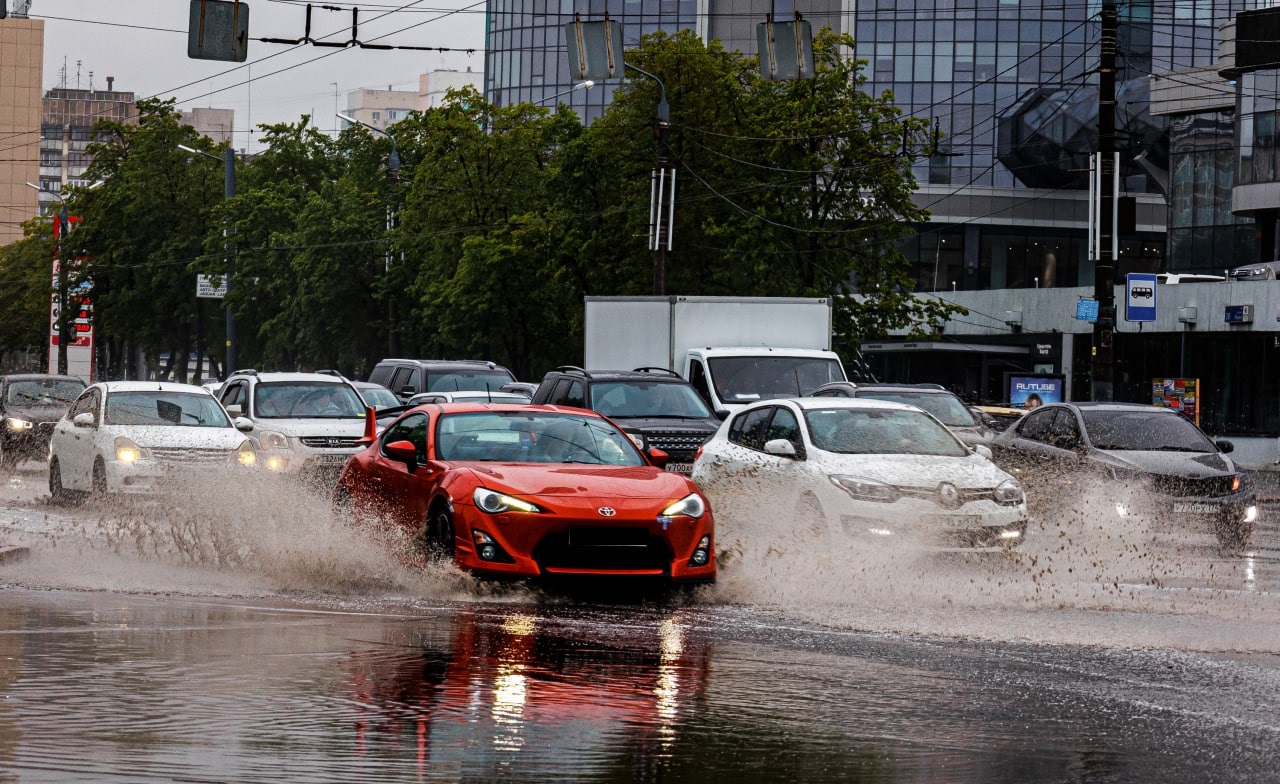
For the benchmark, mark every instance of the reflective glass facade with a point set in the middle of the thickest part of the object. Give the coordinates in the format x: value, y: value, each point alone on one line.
x: 526, y: 58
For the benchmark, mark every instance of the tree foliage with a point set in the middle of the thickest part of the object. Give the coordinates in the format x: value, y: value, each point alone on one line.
x: 501, y: 218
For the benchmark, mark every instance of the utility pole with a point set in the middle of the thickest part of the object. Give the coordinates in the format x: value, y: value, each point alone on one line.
x: 229, y: 193
x: 1103, y: 387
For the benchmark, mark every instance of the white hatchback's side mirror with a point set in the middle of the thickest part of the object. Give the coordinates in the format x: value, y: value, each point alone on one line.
x: 984, y: 450
x: 84, y: 419
x: 780, y: 447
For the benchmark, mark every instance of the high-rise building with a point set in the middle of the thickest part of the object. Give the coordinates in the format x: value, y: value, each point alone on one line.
x: 21, y: 67
x: 67, y: 120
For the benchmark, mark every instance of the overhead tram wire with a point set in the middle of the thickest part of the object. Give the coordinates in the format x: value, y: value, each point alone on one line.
x: 258, y: 61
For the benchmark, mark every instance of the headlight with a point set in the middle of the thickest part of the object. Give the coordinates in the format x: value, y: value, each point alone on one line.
x: 638, y: 439
x: 865, y: 489
x: 14, y: 423
x: 129, y: 452
x: 689, y: 506
x: 271, y: 439
x: 489, y: 501
x: 1009, y: 493
x: 246, y: 454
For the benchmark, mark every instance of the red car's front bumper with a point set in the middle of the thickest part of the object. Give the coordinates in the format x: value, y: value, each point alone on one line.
x: 576, y: 539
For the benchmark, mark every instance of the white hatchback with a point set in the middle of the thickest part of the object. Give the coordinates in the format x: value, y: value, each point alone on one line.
x: 139, y: 436
x: 874, y: 470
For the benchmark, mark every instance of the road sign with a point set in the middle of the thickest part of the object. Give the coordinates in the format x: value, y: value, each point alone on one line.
x: 1086, y: 309
x: 1140, y: 296
x: 206, y: 290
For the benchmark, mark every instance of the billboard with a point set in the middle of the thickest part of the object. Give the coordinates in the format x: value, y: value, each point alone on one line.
x: 1180, y: 394
x: 1029, y: 391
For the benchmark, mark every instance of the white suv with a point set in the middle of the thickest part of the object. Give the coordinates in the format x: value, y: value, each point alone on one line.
x: 307, y: 424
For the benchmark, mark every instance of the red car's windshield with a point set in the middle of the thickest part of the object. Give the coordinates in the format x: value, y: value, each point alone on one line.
x: 536, y: 437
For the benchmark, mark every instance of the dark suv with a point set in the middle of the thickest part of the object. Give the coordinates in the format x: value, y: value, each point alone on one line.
x: 408, y: 377
x: 31, y: 404
x: 653, y: 403
x: 944, y: 404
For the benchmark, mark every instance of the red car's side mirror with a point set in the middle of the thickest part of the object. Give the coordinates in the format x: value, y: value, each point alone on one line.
x: 403, y: 451
x: 658, y: 457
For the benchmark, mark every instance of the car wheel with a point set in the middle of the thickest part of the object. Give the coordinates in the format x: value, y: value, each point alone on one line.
x: 58, y: 493
x: 99, y: 486
x: 439, y: 535
x: 810, y: 519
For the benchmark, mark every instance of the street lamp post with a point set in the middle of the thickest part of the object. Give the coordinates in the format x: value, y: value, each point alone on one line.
x: 229, y: 192
x: 662, y: 189
x: 393, y: 173
x: 586, y: 85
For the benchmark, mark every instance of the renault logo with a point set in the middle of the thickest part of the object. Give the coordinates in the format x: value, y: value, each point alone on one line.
x: 948, y: 495
x: 607, y: 511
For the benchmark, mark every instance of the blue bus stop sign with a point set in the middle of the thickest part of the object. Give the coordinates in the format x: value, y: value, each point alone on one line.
x: 1140, y: 296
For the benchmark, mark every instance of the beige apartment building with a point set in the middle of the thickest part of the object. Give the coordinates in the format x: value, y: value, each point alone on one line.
x: 21, y: 67
x: 66, y: 129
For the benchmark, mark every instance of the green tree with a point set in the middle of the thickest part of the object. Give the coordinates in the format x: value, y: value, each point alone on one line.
x: 25, y: 269
x: 142, y: 235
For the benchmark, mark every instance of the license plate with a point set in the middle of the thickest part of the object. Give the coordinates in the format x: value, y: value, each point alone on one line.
x: 1190, y: 507
x: 680, y: 468
x: 331, y: 459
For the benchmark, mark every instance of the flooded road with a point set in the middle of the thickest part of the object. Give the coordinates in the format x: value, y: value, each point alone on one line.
x: 242, y: 641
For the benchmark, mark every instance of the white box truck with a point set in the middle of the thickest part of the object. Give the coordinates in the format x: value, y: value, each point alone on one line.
x: 734, y: 350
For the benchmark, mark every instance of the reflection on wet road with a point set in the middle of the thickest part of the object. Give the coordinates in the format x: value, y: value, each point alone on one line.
x: 201, y: 643
x: 112, y: 687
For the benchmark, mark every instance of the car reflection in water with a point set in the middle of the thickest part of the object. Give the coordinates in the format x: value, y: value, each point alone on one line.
x: 466, y: 704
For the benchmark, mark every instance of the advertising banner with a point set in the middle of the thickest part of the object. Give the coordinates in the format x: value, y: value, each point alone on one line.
x: 1032, y: 391
x: 1180, y: 394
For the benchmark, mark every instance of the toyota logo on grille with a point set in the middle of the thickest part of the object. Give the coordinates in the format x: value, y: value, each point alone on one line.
x: 607, y: 511
x: 948, y: 495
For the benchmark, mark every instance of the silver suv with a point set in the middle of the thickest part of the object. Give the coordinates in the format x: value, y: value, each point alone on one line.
x: 307, y: 424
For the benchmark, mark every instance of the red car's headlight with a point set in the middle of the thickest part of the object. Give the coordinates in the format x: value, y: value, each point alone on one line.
x: 487, y: 500
x: 689, y: 506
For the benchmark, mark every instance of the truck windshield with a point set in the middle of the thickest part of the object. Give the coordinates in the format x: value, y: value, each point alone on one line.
x: 744, y: 379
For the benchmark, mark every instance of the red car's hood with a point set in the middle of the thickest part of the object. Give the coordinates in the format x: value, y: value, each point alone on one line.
x: 552, y: 480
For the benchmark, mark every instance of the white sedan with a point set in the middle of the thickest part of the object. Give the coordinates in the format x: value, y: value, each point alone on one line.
x: 874, y: 470
x: 132, y: 436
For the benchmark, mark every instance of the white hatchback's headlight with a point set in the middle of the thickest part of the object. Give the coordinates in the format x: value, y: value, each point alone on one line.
x: 689, y: 506
x: 129, y: 452
x: 865, y: 489
x: 493, y: 502
x: 246, y: 454
x: 271, y: 439
x: 15, y: 423
x: 1009, y: 493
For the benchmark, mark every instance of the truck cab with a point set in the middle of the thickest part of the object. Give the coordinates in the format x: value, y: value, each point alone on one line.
x: 729, y: 378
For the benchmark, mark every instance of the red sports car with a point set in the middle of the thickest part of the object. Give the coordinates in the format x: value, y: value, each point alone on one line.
x: 530, y: 491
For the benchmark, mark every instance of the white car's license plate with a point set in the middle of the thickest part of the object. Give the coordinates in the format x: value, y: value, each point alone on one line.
x: 680, y: 468
x: 1191, y: 507
x: 332, y: 458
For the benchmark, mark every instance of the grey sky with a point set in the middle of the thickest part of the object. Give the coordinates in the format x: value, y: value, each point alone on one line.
x: 145, y: 49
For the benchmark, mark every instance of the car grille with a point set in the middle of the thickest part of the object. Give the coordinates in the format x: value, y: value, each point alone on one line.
x: 329, y: 442
x: 603, y: 548
x: 1180, y: 486
x: 188, y: 456
x: 965, y: 495
x: 680, y: 445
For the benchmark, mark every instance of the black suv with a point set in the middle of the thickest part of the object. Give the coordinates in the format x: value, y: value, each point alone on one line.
x: 945, y: 405
x: 31, y: 404
x: 408, y: 377
x: 654, y: 403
